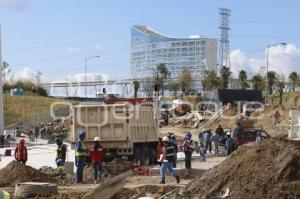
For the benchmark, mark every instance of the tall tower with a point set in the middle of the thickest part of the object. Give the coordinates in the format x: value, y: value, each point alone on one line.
x: 224, y: 49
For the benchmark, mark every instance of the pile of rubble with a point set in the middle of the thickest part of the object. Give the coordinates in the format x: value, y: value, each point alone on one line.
x: 190, y: 119
x: 15, y: 173
x: 268, y: 170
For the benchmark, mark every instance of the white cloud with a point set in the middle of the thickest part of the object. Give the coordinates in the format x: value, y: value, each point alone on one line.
x: 73, y: 50
x: 15, y: 4
x: 26, y: 74
x: 282, y: 59
x: 98, y: 48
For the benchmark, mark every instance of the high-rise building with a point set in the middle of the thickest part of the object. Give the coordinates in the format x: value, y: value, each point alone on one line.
x: 150, y: 48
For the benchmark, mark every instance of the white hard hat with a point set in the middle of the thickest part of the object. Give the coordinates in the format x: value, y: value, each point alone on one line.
x: 228, y: 133
x: 165, y: 139
x: 96, y: 139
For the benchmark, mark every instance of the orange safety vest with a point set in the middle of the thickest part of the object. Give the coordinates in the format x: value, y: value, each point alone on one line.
x: 21, y: 153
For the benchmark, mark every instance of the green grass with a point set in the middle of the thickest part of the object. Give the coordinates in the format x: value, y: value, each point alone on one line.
x: 20, y: 108
x: 286, y: 97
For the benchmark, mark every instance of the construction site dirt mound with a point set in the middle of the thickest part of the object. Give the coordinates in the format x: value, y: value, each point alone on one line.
x: 152, y: 191
x: 267, y: 170
x: 110, y: 169
x: 15, y: 173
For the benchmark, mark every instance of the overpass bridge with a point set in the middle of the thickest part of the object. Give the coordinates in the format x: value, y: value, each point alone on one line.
x: 125, y: 84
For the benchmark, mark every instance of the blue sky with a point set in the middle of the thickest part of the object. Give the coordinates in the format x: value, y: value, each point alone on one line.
x: 55, y: 36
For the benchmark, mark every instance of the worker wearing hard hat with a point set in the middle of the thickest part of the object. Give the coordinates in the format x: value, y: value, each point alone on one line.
x: 230, y: 144
x: 97, y: 154
x: 188, y: 147
x: 61, y: 157
x: 4, y: 194
x: 81, y: 155
x: 21, y: 152
x: 166, y: 159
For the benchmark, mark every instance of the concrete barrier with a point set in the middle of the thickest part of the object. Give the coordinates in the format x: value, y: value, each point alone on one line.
x: 32, y: 189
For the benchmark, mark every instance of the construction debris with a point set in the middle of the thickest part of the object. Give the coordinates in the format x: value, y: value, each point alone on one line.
x: 191, y: 119
x: 267, y: 170
x: 182, y: 109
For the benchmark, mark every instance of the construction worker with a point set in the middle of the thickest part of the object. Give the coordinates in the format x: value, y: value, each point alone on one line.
x: 258, y: 137
x: 4, y: 194
x: 230, y: 144
x: 97, y: 154
x: 207, y: 137
x: 166, y: 118
x: 188, y: 149
x: 36, y: 133
x: 159, y: 148
x: 216, y: 138
x: 61, y: 157
x: 172, y: 139
x: 220, y: 130
x: 202, y: 147
x: 81, y: 155
x: 277, y: 117
x: 21, y: 152
x: 166, y: 159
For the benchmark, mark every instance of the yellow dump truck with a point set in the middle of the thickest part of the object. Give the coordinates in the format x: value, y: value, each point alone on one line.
x: 124, y: 129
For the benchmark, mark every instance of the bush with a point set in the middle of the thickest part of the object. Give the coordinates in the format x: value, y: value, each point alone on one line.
x: 26, y: 86
x: 41, y: 91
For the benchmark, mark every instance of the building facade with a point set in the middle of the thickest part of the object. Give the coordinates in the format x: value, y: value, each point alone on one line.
x: 150, y: 48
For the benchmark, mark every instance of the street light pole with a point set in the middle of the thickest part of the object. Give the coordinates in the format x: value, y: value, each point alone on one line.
x: 85, y: 73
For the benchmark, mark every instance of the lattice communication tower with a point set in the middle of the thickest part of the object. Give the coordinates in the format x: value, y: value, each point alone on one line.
x: 224, y: 42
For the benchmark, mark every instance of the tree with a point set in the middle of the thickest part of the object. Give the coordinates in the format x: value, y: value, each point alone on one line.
x: 258, y: 82
x: 186, y: 81
x: 280, y: 86
x: 148, y: 86
x: 37, y: 77
x: 164, y: 74
x: 243, y: 80
x: 5, y: 72
x: 211, y: 80
x: 225, y: 74
x: 271, y: 79
x: 136, y: 86
x: 294, y: 79
x: 174, y: 87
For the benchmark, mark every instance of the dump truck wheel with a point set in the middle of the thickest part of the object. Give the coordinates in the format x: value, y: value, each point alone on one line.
x: 137, y: 156
x: 145, y: 156
x: 152, y: 156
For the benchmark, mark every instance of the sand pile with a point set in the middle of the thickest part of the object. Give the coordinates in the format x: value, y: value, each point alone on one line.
x: 15, y: 173
x: 268, y: 170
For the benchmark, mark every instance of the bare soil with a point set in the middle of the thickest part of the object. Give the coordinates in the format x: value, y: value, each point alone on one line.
x: 15, y: 173
x: 267, y: 170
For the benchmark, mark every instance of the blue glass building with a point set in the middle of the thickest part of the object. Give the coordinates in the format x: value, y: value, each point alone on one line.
x: 150, y: 48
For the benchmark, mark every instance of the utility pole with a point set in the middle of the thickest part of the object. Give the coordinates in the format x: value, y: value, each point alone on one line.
x: 1, y: 88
